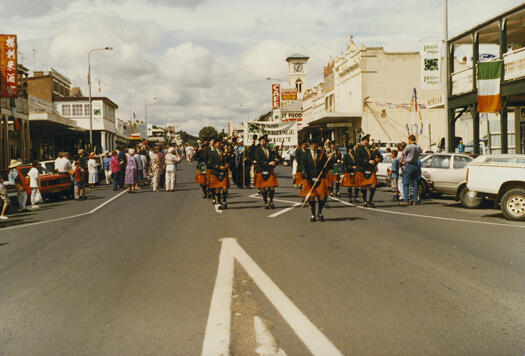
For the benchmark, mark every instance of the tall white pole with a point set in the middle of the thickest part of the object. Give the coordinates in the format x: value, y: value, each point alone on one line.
x: 90, y: 108
x: 445, y: 69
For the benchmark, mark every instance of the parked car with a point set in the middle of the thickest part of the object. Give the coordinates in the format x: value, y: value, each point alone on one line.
x: 500, y: 178
x: 445, y: 173
x: 51, y: 184
x: 382, y: 168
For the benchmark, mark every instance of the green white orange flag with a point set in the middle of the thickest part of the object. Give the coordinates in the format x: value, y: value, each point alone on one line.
x: 489, y: 79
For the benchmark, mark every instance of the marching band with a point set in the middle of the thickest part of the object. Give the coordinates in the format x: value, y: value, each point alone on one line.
x: 320, y: 171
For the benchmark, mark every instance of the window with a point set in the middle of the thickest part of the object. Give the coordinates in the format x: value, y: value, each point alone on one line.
x: 77, y: 109
x: 461, y: 161
x: 437, y: 161
x: 66, y: 109
x: 86, y: 109
x: 55, y: 87
x: 299, y: 85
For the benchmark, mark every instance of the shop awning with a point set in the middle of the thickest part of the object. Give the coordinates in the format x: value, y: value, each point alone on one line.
x: 335, y: 118
x: 53, y: 118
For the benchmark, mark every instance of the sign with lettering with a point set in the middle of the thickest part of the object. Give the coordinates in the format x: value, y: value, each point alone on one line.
x: 289, y: 94
x: 430, y: 65
x: 8, y: 66
x: 276, y: 96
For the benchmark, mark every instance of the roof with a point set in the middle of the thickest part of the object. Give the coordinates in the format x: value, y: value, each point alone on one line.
x: 297, y: 56
x: 487, y: 22
x: 103, y: 98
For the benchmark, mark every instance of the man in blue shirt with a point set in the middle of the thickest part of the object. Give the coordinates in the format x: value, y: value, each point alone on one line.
x: 106, y: 166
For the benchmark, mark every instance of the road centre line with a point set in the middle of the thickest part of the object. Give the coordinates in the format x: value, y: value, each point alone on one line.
x: 66, y: 217
x: 274, y: 215
x: 427, y: 216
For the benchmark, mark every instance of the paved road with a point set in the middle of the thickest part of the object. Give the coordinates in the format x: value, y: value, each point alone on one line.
x: 136, y: 277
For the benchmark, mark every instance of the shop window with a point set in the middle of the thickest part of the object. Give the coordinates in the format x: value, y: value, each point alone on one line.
x: 66, y: 109
x: 77, y: 109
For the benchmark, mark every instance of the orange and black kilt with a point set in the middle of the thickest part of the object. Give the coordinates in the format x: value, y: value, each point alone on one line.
x: 200, y: 178
x: 349, y: 180
x: 334, y: 178
x: 298, y: 179
x: 365, y: 182
x: 208, y: 175
x: 271, y: 182
x: 215, y: 183
x: 321, y: 190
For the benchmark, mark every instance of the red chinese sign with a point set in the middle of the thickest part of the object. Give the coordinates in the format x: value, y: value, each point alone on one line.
x: 8, y: 66
x: 276, y: 96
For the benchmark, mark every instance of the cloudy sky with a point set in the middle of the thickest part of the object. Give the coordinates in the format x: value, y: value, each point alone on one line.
x: 207, y: 60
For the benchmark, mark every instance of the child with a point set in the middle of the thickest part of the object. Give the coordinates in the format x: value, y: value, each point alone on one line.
x: 3, y: 198
x: 79, y: 175
x: 393, y: 172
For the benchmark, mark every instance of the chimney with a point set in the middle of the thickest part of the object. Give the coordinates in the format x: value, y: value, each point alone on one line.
x: 38, y: 73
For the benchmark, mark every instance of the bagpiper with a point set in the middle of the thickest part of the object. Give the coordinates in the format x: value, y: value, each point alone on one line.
x: 218, y: 163
x: 208, y: 169
x: 299, y: 159
x: 315, y: 184
x: 201, y: 156
x: 336, y: 169
x: 349, y: 179
x: 366, y: 162
x: 265, y: 161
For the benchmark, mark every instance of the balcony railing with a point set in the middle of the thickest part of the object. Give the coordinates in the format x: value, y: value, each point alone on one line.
x: 462, y: 81
x: 514, y: 64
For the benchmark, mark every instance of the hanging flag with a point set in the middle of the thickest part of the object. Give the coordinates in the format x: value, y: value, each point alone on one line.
x: 489, y: 78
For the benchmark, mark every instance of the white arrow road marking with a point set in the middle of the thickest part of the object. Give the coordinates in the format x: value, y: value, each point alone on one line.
x: 428, y: 216
x: 217, y: 337
x: 264, y: 341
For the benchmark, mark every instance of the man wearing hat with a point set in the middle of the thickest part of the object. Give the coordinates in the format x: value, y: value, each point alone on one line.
x: 366, y: 162
x: 315, y: 183
x: 200, y: 178
x: 299, y: 159
x: 349, y: 180
x: 14, y: 179
x: 219, y: 164
x: 265, y: 161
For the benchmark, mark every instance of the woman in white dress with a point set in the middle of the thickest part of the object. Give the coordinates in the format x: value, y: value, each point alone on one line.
x: 92, y: 171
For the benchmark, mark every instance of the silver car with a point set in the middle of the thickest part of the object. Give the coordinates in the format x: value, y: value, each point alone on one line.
x: 445, y: 173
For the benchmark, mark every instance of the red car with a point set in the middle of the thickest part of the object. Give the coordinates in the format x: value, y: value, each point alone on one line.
x: 51, y: 184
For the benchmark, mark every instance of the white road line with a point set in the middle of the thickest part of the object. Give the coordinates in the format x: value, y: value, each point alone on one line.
x: 313, y: 338
x: 217, y: 209
x: 65, y: 217
x: 217, y: 337
x: 429, y: 216
x: 284, y: 210
x: 265, y: 344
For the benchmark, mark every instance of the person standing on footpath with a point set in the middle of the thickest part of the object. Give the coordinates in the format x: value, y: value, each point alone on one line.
x: 34, y: 184
x: 131, y: 178
x: 123, y: 161
x: 411, y: 172
x: 116, y: 170
x: 14, y: 179
x: 106, y: 164
x: 92, y: 171
x: 155, y: 169
x: 171, y: 160
x: 4, y: 199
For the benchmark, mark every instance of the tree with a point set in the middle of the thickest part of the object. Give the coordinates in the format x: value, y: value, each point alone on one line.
x: 207, y: 133
x: 187, y: 138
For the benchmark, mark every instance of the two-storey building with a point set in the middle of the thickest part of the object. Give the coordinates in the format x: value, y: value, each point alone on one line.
x: 500, y: 38
x: 14, y: 124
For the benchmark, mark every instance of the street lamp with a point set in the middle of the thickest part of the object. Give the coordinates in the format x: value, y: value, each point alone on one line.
x: 89, y: 84
x: 146, y: 114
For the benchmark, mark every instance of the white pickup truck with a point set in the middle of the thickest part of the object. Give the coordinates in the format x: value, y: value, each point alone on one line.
x: 500, y: 178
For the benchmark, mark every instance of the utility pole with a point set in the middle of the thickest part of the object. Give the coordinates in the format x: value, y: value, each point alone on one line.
x: 446, y: 85
x: 89, y: 85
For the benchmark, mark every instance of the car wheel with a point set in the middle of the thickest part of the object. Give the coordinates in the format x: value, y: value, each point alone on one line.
x: 423, y: 188
x: 513, y: 204
x: 469, y: 199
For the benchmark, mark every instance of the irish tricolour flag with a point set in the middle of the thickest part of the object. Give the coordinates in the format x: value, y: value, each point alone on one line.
x: 489, y: 78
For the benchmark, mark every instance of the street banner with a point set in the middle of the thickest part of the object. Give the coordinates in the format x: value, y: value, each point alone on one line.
x: 489, y: 79
x: 8, y: 66
x: 278, y: 132
x: 430, y: 65
x: 276, y: 96
x: 289, y: 94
